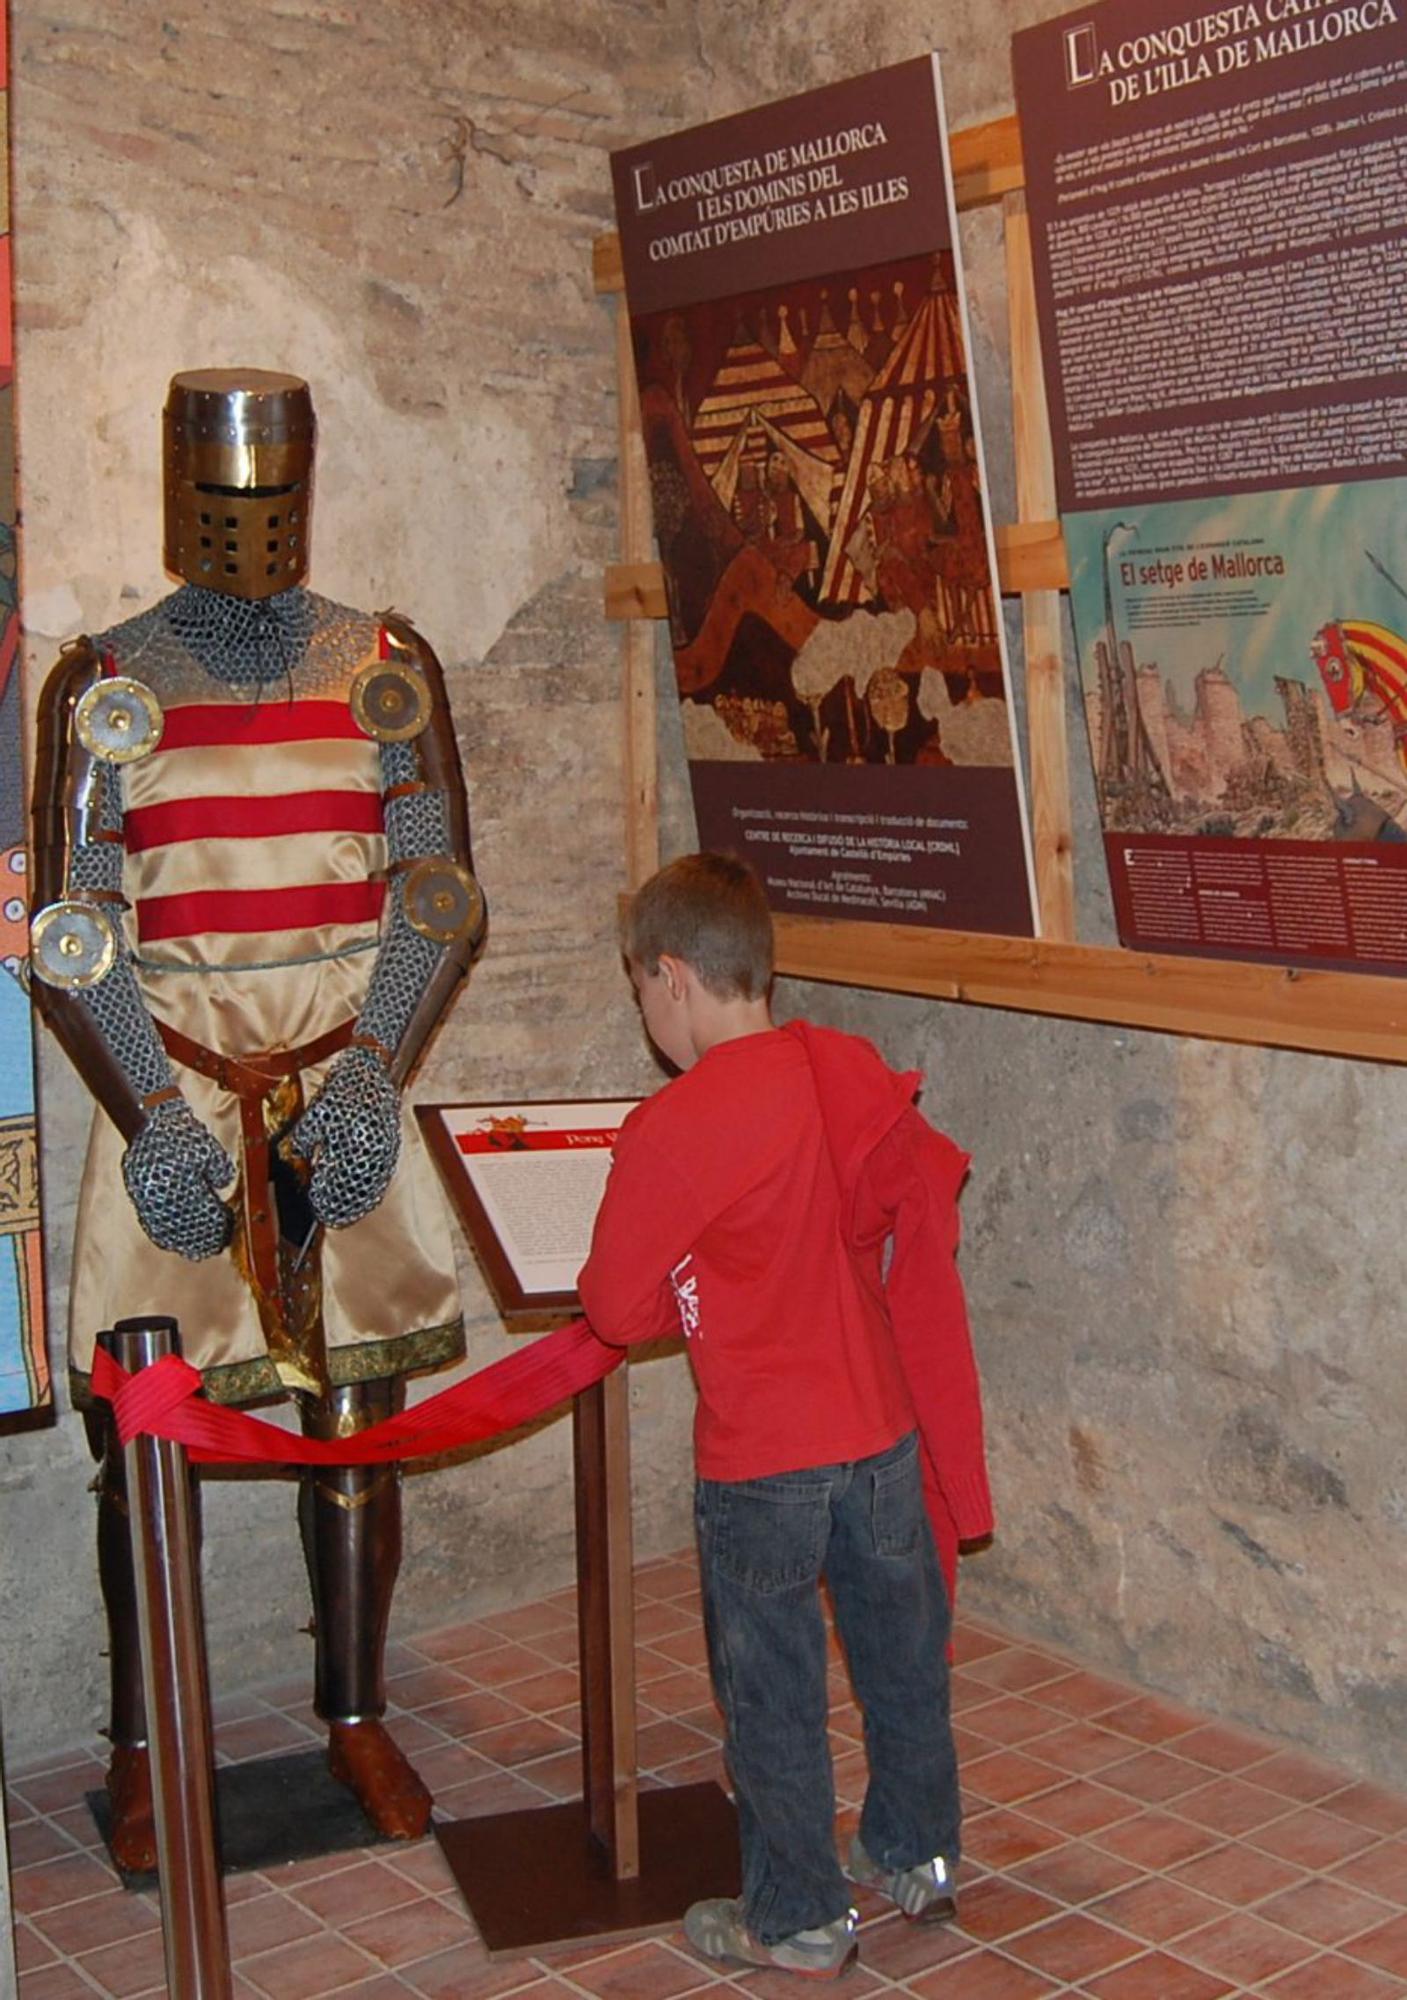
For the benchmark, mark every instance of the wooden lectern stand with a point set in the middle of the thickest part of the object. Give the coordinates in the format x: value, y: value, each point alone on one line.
x: 617, y: 1862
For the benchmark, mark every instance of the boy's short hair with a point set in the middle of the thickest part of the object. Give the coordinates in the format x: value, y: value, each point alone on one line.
x: 709, y: 911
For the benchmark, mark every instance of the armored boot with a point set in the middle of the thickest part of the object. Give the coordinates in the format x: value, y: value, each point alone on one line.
x: 133, y: 1836
x: 350, y: 1517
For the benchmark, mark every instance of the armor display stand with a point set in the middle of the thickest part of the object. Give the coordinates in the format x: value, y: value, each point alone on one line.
x: 306, y: 845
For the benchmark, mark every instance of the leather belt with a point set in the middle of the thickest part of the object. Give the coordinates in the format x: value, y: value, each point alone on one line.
x: 252, y: 1076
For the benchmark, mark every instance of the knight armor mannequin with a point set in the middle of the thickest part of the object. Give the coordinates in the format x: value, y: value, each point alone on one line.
x: 254, y: 903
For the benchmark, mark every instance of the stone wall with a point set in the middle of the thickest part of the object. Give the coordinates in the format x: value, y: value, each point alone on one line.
x: 399, y: 203
x: 1182, y: 1257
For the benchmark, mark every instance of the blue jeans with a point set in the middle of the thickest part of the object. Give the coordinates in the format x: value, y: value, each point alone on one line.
x: 764, y: 1545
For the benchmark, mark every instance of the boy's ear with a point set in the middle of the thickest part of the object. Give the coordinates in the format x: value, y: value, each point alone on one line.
x: 672, y: 973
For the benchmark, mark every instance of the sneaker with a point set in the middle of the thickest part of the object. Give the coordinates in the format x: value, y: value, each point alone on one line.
x: 924, y: 1892
x: 716, y: 1929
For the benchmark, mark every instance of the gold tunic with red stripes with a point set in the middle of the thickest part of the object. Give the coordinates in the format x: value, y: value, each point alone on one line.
x: 255, y: 873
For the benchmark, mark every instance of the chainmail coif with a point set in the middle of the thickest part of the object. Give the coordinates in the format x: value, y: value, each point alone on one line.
x: 239, y: 641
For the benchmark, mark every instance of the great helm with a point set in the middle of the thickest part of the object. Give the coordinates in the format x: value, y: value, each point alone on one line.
x: 237, y: 468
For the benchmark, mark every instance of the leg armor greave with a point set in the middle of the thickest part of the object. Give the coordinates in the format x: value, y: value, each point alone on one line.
x: 350, y: 1518
x: 128, y: 1716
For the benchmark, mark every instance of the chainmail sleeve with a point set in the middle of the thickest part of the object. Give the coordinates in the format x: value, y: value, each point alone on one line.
x: 115, y: 1005
x: 172, y: 1166
x: 417, y: 826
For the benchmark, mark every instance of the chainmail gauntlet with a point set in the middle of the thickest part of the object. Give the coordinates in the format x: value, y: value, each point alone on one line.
x: 352, y: 1134
x: 172, y: 1170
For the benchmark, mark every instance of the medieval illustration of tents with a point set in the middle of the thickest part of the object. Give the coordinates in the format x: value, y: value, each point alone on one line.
x: 753, y: 407
x: 896, y: 415
x: 836, y: 369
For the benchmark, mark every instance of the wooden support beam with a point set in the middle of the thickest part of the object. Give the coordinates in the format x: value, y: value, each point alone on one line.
x: 1333, y: 1013
x: 607, y: 270
x: 640, y: 748
x: 1052, y: 826
x: 987, y: 161
x: 1030, y: 556
x: 635, y: 590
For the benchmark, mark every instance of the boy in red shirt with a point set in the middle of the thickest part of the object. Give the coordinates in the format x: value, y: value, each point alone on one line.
x: 784, y: 1203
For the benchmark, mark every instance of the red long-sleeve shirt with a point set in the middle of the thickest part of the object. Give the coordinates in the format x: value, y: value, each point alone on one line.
x: 751, y: 1204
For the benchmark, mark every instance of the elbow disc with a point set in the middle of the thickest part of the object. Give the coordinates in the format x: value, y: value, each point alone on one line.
x: 390, y: 702
x: 443, y: 901
x: 72, y: 945
x: 118, y: 720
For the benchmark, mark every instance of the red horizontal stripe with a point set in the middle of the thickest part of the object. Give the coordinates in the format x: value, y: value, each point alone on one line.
x: 249, y: 912
x: 202, y: 725
x: 596, y: 1139
x: 243, y: 818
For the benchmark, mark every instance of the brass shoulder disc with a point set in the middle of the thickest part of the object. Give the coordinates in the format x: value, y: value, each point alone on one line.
x: 390, y: 701
x: 72, y: 945
x: 443, y: 901
x: 119, y: 720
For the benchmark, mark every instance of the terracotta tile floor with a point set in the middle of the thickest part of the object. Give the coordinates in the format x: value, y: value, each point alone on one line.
x: 1120, y: 1847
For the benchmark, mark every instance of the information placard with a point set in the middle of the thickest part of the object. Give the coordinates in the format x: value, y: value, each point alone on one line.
x: 1218, y: 195
x: 801, y: 342
x: 526, y: 1180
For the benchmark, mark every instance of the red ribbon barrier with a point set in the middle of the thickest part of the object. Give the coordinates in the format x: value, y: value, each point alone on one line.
x: 165, y: 1401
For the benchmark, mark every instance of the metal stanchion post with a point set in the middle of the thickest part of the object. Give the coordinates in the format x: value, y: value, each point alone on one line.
x: 176, y: 1687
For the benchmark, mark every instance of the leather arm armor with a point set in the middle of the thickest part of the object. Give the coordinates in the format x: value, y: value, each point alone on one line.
x: 427, y: 818
x: 77, y: 838
x: 85, y: 986
x: 432, y: 922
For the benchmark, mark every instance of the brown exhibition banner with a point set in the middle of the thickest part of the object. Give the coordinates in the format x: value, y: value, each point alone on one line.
x: 1218, y: 195
x: 802, y: 349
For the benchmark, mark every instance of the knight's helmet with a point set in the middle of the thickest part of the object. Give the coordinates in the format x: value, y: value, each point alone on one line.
x: 237, y: 468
